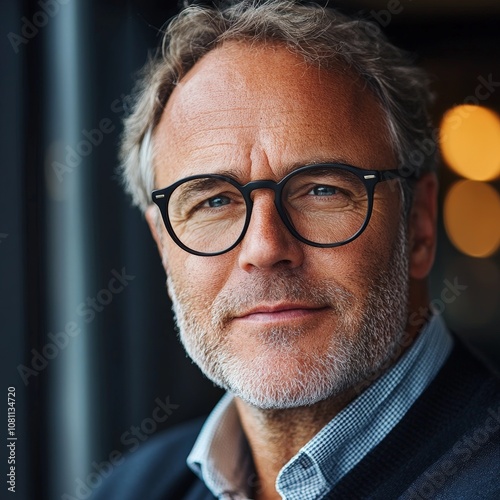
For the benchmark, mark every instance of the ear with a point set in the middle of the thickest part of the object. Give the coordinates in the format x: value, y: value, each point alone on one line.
x: 156, y: 228
x: 422, y: 226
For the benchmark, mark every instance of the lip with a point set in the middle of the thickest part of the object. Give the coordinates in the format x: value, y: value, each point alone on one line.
x: 279, y: 312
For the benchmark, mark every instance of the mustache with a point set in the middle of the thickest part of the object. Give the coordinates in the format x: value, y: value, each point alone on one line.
x: 235, y: 300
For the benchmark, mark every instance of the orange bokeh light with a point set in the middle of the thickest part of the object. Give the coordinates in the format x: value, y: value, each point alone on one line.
x: 470, y: 141
x: 472, y: 218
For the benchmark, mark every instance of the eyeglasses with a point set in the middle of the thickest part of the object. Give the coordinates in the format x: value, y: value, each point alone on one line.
x: 324, y: 205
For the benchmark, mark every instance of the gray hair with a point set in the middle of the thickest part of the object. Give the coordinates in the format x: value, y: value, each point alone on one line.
x: 323, y: 37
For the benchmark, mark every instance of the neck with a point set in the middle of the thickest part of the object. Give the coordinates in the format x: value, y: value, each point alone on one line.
x: 275, y: 436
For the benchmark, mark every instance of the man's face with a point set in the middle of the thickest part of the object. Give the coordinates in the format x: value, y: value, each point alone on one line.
x: 277, y: 322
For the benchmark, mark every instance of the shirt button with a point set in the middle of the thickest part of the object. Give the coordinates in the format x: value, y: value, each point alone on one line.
x: 305, y: 462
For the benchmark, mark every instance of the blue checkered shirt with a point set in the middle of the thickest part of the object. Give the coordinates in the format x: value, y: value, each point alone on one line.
x: 221, y: 458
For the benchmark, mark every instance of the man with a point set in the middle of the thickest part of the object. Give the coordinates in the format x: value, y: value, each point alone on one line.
x: 270, y: 150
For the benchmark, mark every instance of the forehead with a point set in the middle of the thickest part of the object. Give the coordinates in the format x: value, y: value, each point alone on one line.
x: 242, y: 106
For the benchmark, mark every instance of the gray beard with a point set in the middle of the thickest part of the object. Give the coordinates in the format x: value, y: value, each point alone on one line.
x: 360, y: 344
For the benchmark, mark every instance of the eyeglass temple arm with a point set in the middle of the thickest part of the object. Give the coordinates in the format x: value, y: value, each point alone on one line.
x: 387, y: 175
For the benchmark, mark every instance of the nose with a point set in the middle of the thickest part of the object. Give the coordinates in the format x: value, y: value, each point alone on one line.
x: 268, y: 244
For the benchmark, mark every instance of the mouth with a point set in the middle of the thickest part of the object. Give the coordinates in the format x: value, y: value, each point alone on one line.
x: 279, y: 312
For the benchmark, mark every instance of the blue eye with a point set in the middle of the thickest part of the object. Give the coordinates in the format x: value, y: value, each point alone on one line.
x: 218, y: 201
x: 324, y: 191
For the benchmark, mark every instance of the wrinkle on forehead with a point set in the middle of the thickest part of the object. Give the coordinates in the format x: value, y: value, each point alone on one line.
x: 240, y: 101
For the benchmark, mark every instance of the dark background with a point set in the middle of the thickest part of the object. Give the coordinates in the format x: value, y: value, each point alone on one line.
x: 63, y: 233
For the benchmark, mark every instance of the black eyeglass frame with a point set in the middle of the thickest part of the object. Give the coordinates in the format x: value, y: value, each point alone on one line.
x: 370, y: 178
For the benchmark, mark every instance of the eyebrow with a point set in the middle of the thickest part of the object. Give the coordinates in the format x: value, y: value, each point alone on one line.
x: 322, y: 161
x: 321, y: 171
x: 235, y: 174
x: 238, y: 174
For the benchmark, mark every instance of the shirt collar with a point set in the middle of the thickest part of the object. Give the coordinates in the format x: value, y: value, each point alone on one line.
x: 221, y: 458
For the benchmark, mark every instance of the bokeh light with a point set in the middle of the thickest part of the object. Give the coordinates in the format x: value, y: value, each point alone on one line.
x: 472, y: 218
x: 470, y: 141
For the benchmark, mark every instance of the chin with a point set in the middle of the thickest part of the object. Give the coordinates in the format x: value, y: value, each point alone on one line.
x: 279, y: 380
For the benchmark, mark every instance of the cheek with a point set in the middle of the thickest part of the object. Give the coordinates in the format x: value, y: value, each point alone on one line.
x: 202, y: 276
x: 364, y: 259
x: 347, y: 266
